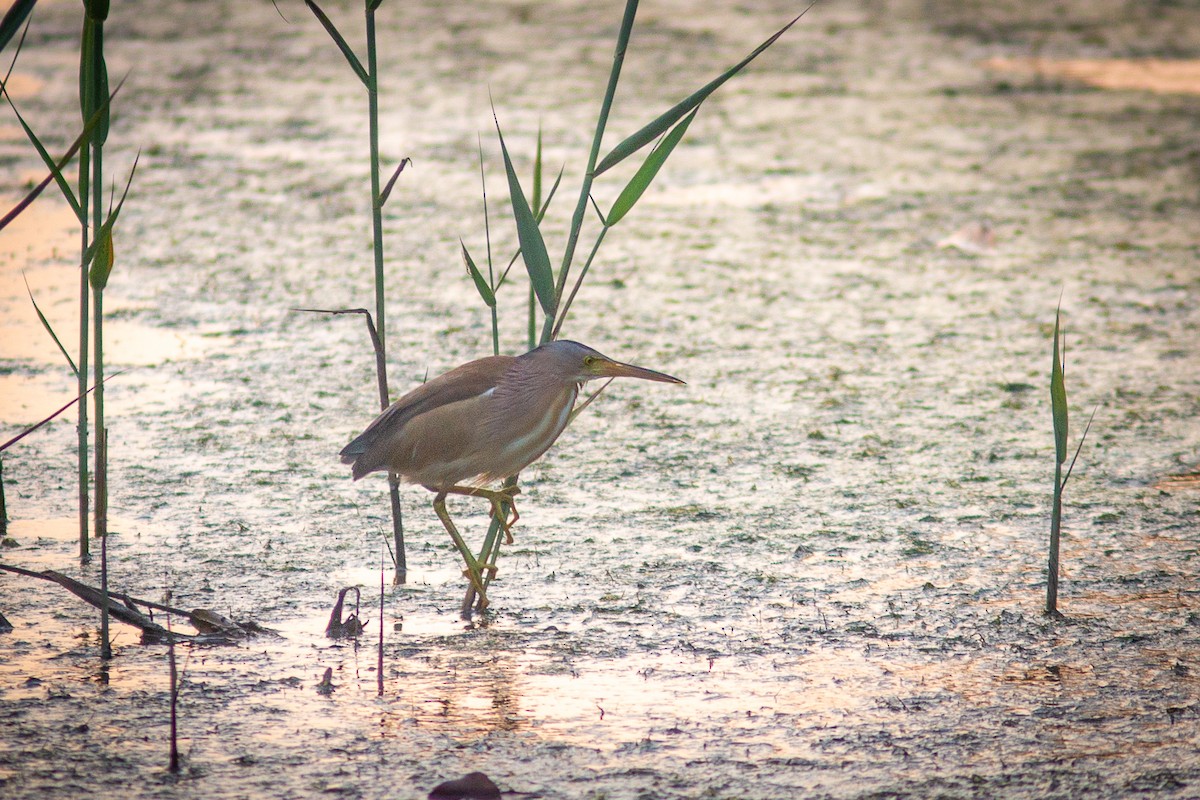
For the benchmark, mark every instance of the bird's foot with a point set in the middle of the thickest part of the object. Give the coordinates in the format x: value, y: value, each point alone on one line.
x: 475, y: 579
x: 500, y: 499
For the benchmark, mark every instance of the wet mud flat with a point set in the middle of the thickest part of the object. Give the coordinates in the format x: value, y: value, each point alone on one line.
x: 816, y: 571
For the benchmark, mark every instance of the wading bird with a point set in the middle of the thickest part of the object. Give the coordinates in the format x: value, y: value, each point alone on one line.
x: 483, y: 422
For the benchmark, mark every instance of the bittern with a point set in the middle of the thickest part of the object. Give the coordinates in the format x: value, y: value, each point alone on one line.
x: 483, y: 422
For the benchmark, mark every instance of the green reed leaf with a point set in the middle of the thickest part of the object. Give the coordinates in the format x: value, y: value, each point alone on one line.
x: 664, y: 122
x: 481, y: 284
x: 1058, y: 397
x: 641, y: 180
x: 533, y: 246
x: 50, y: 330
x: 104, y: 232
x: 13, y: 19
x: 334, y: 34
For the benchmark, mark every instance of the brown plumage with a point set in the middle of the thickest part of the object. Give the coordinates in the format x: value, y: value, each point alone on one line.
x: 482, y: 422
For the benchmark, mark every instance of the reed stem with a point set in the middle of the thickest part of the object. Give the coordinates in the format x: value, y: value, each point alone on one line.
x: 585, y: 190
x: 82, y: 362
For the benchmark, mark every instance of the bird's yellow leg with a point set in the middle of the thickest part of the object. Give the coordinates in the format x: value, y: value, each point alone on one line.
x: 474, y: 570
x: 499, y: 498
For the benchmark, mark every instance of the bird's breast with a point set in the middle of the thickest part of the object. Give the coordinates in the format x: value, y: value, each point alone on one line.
x: 520, y: 429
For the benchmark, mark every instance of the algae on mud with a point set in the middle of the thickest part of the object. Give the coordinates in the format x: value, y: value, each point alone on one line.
x: 818, y: 573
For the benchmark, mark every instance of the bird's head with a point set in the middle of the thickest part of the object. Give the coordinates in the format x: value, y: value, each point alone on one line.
x: 576, y: 363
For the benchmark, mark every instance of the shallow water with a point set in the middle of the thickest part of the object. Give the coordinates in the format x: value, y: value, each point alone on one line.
x: 817, y: 570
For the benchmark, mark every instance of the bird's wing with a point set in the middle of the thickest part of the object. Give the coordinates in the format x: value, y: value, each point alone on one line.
x: 368, y: 451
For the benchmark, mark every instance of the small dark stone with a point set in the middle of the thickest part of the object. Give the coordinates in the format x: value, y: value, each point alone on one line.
x: 472, y: 785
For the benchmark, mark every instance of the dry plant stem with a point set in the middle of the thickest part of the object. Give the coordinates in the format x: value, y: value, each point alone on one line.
x: 401, y: 560
x: 400, y: 557
x: 33, y: 428
x: 3, y: 504
x: 173, y: 766
x: 379, y: 665
x: 71, y: 584
x: 221, y: 632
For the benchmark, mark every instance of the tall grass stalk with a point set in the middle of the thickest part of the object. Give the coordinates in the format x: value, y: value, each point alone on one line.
x: 96, y: 260
x: 3, y: 504
x: 549, y: 289
x: 379, y: 655
x: 369, y: 76
x: 93, y: 90
x: 12, y: 22
x: 173, y: 747
x: 1058, y: 410
x: 81, y: 371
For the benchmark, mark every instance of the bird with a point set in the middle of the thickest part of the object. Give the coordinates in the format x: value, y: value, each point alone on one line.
x: 479, y: 423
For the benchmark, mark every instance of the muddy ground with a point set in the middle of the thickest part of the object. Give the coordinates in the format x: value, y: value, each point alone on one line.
x: 818, y: 570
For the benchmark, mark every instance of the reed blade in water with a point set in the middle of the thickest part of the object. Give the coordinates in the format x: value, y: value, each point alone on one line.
x: 1059, y: 414
x: 549, y: 288
x: 533, y: 246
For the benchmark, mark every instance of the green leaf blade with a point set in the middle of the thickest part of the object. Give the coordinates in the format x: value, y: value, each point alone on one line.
x: 340, y: 41
x: 668, y: 118
x: 93, y: 78
x: 55, y: 170
x: 102, y: 239
x: 1058, y: 398
x: 102, y: 264
x: 638, y: 184
x: 13, y: 19
x: 481, y: 284
x: 50, y: 330
x: 533, y: 246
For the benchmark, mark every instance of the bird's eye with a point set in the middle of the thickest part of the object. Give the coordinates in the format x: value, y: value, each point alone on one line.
x: 588, y: 361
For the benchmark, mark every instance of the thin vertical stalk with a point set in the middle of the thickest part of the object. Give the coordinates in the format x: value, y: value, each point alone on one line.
x: 585, y: 189
x: 1055, y: 530
x: 487, y: 238
x: 1060, y: 413
x: 100, y: 487
x: 3, y: 504
x: 376, y: 197
x: 587, y: 265
x: 105, y: 644
x: 401, y: 576
x: 532, y: 343
x: 536, y: 202
x: 93, y: 76
x: 101, y: 472
x: 173, y: 763
x: 377, y: 200
x: 379, y: 664
x: 491, y: 544
x: 82, y: 364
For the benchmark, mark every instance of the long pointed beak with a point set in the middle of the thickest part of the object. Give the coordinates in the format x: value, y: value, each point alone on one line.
x: 617, y: 369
